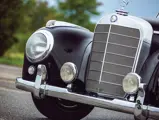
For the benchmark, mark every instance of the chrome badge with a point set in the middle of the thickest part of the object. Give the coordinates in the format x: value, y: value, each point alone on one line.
x: 113, y: 18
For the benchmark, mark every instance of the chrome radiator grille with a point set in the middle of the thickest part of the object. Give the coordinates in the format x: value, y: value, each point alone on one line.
x: 113, y: 55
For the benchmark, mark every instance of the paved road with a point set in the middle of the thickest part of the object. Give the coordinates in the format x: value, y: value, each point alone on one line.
x: 18, y: 105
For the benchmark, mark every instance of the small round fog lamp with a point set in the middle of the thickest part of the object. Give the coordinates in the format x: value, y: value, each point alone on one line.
x: 31, y: 70
x: 68, y: 72
x: 131, y: 83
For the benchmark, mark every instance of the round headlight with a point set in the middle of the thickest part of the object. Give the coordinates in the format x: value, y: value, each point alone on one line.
x: 68, y: 72
x: 131, y: 83
x: 39, y: 45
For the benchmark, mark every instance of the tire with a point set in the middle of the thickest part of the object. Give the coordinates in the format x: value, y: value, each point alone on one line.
x: 59, y: 109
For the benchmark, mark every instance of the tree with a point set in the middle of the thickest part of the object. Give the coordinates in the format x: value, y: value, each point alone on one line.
x: 20, y: 18
x: 79, y: 11
x: 9, y: 22
x: 35, y: 15
x: 41, y: 14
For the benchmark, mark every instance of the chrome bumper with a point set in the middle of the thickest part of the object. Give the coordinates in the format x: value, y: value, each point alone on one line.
x: 38, y: 87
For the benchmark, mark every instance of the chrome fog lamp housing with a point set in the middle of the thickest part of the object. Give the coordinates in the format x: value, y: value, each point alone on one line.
x: 39, y: 45
x: 131, y: 83
x: 68, y: 72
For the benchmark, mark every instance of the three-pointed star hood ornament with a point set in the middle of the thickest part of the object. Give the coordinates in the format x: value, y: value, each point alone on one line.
x: 123, y: 4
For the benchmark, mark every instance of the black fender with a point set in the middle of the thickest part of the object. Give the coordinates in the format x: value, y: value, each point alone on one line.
x: 71, y: 44
x: 149, y: 67
x: 149, y: 75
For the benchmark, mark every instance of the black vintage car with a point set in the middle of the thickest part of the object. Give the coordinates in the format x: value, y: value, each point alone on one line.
x: 69, y: 70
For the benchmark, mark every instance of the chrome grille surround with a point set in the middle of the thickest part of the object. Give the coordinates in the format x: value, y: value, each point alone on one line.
x: 115, y: 52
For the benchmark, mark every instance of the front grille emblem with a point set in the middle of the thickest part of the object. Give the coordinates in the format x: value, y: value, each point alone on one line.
x: 113, y: 18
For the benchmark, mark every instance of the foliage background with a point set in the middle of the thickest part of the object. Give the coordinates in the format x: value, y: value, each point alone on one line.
x: 20, y: 18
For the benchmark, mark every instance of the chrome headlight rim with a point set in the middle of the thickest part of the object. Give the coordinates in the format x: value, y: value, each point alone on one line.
x: 44, y: 54
x: 74, y: 71
x: 138, y: 78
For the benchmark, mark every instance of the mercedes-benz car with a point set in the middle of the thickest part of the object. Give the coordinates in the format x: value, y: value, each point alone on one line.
x: 69, y: 70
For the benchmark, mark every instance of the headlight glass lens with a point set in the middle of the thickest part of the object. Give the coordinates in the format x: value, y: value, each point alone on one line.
x: 68, y: 72
x: 38, y: 45
x: 131, y: 83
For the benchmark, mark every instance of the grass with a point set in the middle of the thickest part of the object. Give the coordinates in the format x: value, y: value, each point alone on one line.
x: 15, y: 59
x: 15, y: 54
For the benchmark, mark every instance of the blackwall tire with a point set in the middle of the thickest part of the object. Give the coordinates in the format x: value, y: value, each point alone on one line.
x: 50, y: 108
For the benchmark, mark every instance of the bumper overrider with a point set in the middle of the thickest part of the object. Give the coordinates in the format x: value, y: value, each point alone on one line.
x: 39, y: 88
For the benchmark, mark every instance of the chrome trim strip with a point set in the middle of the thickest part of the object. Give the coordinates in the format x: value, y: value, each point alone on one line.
x: 111, y: 63
x: 104, y: 55
x: 156, y: 32
x: 122, y: 45
x: 109, y: 73
x: 124, y: 35
x: 118, y: 64
x: 120, y: 55
x: 50, y: 44
x: 111, y: 83
x: 115, y: 44
x: 55, y: 23
x: 137, y: 53
x: 63, y: 93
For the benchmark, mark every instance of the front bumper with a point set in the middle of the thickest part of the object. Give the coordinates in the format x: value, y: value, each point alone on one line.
x: 41, y: 88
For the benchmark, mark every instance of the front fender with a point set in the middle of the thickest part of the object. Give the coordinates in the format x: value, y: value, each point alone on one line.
x: 149, y: 74
x: 71, y: 44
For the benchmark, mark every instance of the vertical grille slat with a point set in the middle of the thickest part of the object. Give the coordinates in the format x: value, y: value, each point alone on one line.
x: 112, y: 57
